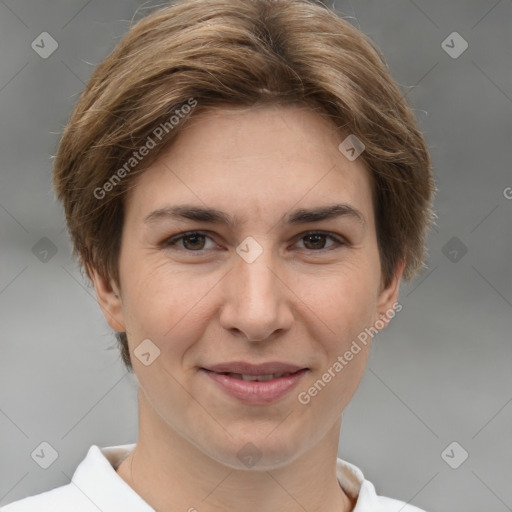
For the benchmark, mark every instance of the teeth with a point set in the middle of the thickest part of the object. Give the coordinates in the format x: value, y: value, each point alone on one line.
x: 257, y: 377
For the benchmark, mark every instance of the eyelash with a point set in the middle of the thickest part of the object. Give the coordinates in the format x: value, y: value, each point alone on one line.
x: 172, y: 241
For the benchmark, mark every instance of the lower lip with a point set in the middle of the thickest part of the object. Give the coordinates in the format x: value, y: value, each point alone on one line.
x: 256, y: 392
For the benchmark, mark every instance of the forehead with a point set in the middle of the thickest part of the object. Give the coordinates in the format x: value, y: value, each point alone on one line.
x: 254, y: 162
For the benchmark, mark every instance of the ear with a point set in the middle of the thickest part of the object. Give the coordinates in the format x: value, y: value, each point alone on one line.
x: 109, y: 299
x: 388, y: 298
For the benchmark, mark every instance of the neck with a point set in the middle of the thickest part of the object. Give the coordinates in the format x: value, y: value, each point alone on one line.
x: 170, y: 473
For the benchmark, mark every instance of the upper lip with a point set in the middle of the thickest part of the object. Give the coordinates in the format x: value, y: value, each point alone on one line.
x: 244, y: 368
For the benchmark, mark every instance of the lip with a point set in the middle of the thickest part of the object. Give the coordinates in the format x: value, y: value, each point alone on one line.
x: 254, y: 369
x: 255, y: 392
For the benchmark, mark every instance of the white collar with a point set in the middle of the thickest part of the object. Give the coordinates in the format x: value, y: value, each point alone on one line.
x: 96, y: 478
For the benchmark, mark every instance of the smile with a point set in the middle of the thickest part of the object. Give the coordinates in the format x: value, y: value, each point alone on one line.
x: 255, y: 389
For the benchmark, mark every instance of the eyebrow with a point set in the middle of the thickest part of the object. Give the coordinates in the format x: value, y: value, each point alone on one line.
x: 214, y: 216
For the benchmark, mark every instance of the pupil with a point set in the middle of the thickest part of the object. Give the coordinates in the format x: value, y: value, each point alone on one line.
x: 193, y: 237
x: 319, y: 238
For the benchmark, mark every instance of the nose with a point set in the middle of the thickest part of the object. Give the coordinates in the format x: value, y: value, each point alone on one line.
x: 257, y: 299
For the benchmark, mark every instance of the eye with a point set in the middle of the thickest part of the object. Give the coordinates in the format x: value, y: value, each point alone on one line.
x: 192, y: 241
x: 316, y: 240
x: 195, y: 241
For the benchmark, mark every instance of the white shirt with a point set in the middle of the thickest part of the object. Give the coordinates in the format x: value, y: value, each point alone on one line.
x: 96, y: 486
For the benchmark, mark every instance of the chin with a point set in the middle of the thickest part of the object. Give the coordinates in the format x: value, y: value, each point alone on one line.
x: 257, y: 452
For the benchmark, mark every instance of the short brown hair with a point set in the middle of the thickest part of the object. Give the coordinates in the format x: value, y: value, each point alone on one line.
x: 240, y: 53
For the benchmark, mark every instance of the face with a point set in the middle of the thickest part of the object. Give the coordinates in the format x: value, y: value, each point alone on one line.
x: 262, y: 279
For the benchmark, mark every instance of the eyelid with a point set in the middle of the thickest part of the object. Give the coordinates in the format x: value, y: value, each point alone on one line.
x: 340, y: 240
x: 173, y: 240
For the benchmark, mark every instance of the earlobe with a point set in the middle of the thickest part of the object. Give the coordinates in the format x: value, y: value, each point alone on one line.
x: 109, y: 300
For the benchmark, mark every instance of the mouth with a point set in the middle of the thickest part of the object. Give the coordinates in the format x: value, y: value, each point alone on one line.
x: 255, y: 384
x: 258, y: 378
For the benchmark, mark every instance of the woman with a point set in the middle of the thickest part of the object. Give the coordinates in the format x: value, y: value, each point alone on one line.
x: 245, y: 186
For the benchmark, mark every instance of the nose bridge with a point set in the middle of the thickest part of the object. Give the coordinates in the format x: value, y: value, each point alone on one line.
x: 255, y: 299
x: 254, y: 275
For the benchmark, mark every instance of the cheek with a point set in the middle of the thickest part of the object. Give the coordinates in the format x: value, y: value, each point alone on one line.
x: 345, y: 299
x: 164, y: 304
x: 347, y: 308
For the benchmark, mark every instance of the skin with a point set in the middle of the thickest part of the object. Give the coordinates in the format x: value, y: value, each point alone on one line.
x: 303, y: 301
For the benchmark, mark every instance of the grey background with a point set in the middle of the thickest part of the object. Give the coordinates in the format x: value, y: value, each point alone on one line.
x: 440, y: 373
